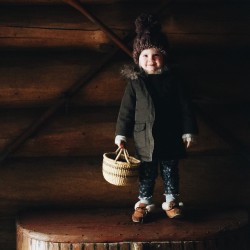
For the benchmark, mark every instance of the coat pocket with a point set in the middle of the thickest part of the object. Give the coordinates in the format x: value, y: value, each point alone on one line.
x: 140, y: 135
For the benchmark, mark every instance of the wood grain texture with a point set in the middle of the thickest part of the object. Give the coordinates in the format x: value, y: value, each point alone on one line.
x: 205, y: 181
x: 66, y: 134
x: 37, y: 79
x: 188, y: 26
x: 46, y: 46
x: 77, y: 228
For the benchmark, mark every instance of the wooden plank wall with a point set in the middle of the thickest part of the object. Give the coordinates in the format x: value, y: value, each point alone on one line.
x: 46, y: 46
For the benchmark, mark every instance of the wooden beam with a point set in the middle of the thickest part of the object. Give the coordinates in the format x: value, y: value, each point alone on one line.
x: 188, y: 25
x: 15, y: 144
x: 103, y: 27
x: 74, y: 89
x: 20, y: 86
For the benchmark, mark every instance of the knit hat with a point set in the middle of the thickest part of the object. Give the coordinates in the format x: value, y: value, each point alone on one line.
x: 148, y: 35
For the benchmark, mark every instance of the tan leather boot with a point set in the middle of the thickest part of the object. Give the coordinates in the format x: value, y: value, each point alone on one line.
x: 172, y: 210
x: 142, y: 212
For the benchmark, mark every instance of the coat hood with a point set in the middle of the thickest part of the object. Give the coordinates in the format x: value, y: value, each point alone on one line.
x: 131, y: 71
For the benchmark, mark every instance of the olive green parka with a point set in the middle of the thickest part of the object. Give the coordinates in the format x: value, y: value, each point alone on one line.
x: 136, y: 116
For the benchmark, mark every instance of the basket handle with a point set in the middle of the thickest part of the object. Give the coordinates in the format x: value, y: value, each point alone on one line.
x: 125, y: 152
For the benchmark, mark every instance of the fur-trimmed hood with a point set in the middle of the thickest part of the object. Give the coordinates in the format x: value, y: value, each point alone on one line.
x: 131, y: 71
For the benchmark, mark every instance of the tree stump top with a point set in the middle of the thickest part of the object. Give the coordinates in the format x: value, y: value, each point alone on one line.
x: 114, y: 225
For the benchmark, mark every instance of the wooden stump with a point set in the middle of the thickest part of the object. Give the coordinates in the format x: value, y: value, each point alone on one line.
x: 112, y: 229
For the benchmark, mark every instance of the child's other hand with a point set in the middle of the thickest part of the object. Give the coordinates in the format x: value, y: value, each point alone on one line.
x: 188, y: 142
x: 120, y: 141
x: 188, y: 139
x: 122, y: 144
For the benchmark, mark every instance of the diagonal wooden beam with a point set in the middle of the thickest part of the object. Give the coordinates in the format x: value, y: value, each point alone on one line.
x: 36, y: 125
x: 236, y: 145
x: 78, y: 6
x: 102, y: 26
x: 17, y: 142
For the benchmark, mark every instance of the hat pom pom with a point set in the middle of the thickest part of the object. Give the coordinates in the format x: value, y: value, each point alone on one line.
x: 146, y: 24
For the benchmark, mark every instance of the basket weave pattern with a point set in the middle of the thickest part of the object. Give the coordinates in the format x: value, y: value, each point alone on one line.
x: 119, y: 168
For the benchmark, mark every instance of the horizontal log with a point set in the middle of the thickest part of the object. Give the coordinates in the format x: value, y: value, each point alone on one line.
x: 54, y: 178
x: 27, y: 38
x: 52, y: 76
x: 81, y: 133
x: 38, y: 182
x: 39, y: 26
x: 38, y: 79
x: 177, y: 19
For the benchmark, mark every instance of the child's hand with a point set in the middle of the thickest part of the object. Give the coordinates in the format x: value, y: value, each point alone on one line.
x: 188, y: 142
x: 120, y: 141
x: 122, y: 144
x: 188, y: 139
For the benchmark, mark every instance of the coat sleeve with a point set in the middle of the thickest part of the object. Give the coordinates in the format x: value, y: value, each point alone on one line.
x: 126, y: 116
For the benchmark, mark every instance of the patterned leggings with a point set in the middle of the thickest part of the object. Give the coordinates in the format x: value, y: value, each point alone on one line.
x: 148, y: 173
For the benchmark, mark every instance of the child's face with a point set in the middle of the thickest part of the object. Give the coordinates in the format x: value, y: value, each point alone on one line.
x: 151, y: 60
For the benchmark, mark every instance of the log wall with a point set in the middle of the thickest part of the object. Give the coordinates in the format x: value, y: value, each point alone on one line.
x: 47, y: 46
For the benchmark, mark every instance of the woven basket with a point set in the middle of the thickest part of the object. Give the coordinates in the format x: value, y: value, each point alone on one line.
x: 119, y: 168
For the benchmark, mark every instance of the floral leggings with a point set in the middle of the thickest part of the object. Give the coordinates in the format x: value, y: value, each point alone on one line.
x: 148, y: 173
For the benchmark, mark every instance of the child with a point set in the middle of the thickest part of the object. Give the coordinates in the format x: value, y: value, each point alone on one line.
x: 157, y: 113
